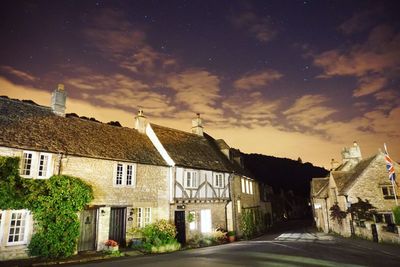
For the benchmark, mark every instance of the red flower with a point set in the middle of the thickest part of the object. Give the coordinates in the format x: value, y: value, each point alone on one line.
x: 111, y: 243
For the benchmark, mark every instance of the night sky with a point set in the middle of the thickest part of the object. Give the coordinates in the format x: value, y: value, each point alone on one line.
x: 283, y: 78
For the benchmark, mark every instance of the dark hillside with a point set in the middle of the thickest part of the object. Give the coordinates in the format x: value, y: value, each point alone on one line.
x: 283, y: 173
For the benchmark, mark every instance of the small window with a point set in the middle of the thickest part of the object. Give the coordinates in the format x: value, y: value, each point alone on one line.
x: 387, y: 191
x: 251, y: 187
x: 129, y: 172
x: 219, y: 180
x: 192, y: 220
x: 124, y: 175
x: 143, y: 217
x: 118, y: 179
x: 247, y: 186
x: 44, y: 165
x: 18, y: 227
x: 191, y: 179
x: 205, y: 217
x: 243, y: 185
x: 239, y: 206
x: 27, y: 163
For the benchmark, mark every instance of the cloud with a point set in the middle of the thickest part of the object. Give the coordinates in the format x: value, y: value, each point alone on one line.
x: 196, y: 90
x: 378, y: 56
x: 18, y: 73
x: 125, y: 44
x: 261, y: 28
x: 308, y: 110
x: 369, y: 85
x: 360, y: 21
x: 258, y: 79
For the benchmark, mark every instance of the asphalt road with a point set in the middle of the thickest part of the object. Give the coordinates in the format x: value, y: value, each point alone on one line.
x: 296, y: 247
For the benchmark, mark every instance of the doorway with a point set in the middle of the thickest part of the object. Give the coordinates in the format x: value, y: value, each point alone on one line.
x: 180, y: 226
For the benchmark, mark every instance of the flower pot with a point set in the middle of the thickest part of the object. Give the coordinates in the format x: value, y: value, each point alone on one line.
x: 110, y: 248
x: 231, y: 238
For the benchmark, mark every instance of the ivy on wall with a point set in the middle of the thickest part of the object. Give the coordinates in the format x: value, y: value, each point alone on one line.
x: 54, y: 203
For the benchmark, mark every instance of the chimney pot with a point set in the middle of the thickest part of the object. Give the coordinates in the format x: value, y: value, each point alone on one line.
x: 197, y: 125
x: 140, y: 122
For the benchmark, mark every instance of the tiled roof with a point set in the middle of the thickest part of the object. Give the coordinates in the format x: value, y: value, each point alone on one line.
x: 317, y: 186
x: 34, y: 127
x: 344, y: 180
x: 191, y: 150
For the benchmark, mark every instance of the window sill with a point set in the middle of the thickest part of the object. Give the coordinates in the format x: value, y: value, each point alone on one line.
x: 390, y: 197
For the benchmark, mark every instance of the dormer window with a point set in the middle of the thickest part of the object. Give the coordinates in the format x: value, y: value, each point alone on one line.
x: 191, y: 179
x: 219, y: 180
x: 36, y: 165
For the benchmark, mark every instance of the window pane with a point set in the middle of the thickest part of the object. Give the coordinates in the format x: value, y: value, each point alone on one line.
x: 251, y: 187
x: 385, y: 191
x: 118, y: 180
x: 243, y: 186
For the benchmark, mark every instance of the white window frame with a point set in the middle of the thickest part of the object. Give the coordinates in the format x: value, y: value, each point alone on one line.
x: 123, y: 175
x: 251, y: 187
x: 191, y: 182
x: 243, y: 183
x: 247, y: 186
x: 35, y: 165
x: 2, y: 219
x: 25, y: 215
x: 143, y: 217
x: 219, y: 180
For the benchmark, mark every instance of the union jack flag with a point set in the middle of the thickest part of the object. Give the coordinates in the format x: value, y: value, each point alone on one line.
x: 389, y: 166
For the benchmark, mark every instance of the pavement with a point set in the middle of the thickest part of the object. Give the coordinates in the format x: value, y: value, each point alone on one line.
x: 292, y: 243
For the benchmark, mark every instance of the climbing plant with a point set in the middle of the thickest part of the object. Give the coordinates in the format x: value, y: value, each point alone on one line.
x: 54, y: 203
x: 247, y: 223
x: 362, y: 210
x: 337, y: 214
x: 396, y: 214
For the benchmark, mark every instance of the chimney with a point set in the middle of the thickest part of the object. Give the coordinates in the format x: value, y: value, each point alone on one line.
x: 197, y: 125
x: 58, y: 99
x: 334, y: 164
x: 140, y: 122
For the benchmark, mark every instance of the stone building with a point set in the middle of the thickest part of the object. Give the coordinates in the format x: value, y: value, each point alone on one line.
x: 128, y: 175
x: 356, y: 178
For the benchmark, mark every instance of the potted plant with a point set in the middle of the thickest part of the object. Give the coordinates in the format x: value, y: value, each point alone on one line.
x: 231, y: 236
x: 111, y: 245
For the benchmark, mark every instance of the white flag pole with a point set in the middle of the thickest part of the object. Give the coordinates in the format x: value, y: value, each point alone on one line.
x: 392, y: 180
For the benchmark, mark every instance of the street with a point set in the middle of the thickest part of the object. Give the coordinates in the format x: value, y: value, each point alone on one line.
x: 295, y: 247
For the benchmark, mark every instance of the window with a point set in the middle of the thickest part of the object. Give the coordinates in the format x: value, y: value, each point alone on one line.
x: 250, y: 187
x: 18, y: 227
x: 192, y: 220
x: 36, y: 165
x: 190, y: 179
x: 239, y: 206
x: 243, y: 185
x: 143, y: 217
x: 27, y: 163
x: 219, y: 180
x: 387, y: 191
x: 124, y: 175
x: 247, y: 186
x: 205, y: 217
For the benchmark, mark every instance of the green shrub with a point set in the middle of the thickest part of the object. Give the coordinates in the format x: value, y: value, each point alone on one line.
x: 396, y: 214
x: 247, y: 223
x: 54, y: 203
x: 158, y: 237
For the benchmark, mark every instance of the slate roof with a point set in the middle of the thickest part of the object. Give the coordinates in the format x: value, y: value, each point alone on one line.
x: 344, y: 180
x: 29, y: 126
x: 191, y: 150
x: 317, y: 186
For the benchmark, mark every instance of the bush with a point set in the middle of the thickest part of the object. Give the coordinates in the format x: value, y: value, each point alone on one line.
x: 396, y: 214
x: 337, y: 213
x: 158, y: 237
x: 54, y: 203
x: 247, y: 223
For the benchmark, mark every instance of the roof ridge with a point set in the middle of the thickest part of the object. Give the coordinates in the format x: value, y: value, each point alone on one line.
x: 24, y: 102
x: 177, y: 130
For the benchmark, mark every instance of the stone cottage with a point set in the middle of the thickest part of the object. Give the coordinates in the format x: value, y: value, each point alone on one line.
x: 128, y: 175
x: 355, y: 178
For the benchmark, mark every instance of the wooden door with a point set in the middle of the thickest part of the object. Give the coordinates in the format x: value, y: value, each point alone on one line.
x: 87, y: 237
x: 118, y: 225
x: 180, y: 226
